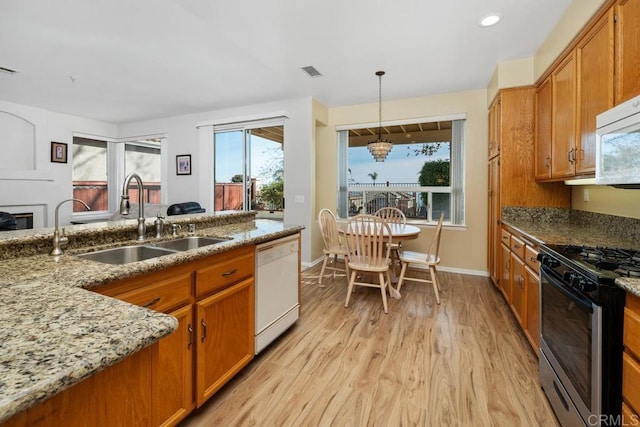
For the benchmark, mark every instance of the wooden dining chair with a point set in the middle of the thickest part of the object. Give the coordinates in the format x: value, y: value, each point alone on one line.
x: 430, y: 259
x: 393, y: 216
x: 368, y: 240
x: 334, y: 245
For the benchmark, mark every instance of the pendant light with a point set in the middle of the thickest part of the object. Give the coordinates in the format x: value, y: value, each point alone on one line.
x: 380, y: 147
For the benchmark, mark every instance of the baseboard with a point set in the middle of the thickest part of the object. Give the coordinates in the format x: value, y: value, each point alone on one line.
x: 470, y: 272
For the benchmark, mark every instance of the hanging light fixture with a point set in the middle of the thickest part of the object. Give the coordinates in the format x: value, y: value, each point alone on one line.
x: 380, y: 147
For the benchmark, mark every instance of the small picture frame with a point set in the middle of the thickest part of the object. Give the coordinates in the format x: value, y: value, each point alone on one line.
x: 183, y: 164
x: 58, y: 152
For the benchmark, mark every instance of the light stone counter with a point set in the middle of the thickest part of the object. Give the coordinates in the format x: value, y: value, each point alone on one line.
x: 54, y: 332
x: 629, y: 284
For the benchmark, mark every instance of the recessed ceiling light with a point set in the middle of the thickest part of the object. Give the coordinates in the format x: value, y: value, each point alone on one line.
x: 491, y: 19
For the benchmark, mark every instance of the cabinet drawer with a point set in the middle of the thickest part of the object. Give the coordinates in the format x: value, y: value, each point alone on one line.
x: 631, y: 328
x: 226, y: 270
x: 531, y: 258
x: 161, y: 296
x: 517, y: 247
x: 631, y: 381
x: 506, y: 237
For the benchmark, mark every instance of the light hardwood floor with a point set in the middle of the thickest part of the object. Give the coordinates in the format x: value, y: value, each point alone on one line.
x: 463, y: 363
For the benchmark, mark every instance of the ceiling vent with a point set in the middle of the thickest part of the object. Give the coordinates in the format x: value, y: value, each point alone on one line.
x: 311, y: 71
x: 7, y: 70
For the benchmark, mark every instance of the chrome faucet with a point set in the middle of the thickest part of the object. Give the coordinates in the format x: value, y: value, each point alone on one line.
x: 60, y: 242
x: 124, y: 202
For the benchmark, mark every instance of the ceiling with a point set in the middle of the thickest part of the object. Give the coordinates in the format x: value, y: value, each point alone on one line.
x: 121, y: 60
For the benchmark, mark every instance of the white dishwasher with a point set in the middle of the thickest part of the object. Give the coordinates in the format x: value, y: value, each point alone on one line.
x: 277, y: 299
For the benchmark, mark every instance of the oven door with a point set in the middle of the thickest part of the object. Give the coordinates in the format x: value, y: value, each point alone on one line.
x: 571, y: 340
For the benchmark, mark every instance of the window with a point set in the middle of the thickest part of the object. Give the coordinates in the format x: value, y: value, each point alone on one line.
x: 143, y: 157
x: 422, y: 175
x: 89, y: 174
x: 256, y: 152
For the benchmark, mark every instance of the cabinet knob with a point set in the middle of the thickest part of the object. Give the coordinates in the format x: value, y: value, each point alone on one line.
x: 190, y: 330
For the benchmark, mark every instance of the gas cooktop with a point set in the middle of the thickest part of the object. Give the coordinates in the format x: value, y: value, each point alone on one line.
x: 601, y: 262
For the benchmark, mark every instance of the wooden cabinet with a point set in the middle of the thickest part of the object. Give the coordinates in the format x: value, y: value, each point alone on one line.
x: 225, y: 321
x: 627, y: 47
x: 511, y: 171
x: 120, y: 395
x: 600, y: 68
x: 522, y: 269
x: 173, y: 372
x: 595, y: 89
x: 213, y: 300
x: 563, y: 83
x: 505, y: 273
x: 493, y: 232
x: 544, y: 115
x: 494, y: 128
x: 631, y: 360
x: 518, y: 295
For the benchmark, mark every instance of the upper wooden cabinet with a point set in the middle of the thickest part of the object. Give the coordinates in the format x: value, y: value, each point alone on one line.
x: 544, y: 115
x: 595, y: 88
x: 494, y: 128
x: 563, y: 128
x: 581, y: 85
x: 627, y: 48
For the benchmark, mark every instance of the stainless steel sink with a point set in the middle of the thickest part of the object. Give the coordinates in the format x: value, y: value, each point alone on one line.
x: 126, y: 254
x: 190, y: 242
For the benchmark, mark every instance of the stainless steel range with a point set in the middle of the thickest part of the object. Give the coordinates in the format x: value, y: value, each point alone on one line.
x: 581, y: 314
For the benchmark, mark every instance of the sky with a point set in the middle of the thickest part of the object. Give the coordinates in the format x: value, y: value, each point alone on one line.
x: 229, y: 156
x: 400, y: 166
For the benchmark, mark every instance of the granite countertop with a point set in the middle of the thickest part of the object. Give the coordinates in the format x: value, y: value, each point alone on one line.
x: 55, y: 332
x: 595, y: 230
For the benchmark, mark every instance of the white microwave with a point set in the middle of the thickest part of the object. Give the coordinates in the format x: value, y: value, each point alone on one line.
x: 618, y: 145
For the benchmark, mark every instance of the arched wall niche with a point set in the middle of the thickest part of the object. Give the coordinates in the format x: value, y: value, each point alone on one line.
x: 17, y: 142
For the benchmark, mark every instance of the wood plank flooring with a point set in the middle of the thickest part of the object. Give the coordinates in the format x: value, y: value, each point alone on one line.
x: 463, y: 363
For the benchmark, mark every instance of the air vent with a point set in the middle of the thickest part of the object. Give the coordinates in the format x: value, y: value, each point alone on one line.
x: 7, y: 70
x: 311, y: 71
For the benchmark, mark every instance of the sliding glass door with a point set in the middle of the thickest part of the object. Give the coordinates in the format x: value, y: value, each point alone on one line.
x: 249, y: 170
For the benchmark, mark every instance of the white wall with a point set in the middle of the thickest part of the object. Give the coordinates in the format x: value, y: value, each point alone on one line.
x: 49, y: 183
x: 299, y: 148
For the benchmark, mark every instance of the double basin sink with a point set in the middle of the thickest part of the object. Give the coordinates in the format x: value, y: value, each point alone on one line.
x: 134, y: 253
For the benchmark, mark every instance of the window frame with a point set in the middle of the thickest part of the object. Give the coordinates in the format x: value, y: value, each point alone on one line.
x: 456, y: 189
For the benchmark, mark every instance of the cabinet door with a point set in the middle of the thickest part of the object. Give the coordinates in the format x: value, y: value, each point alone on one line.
x: 544, y: 116
x: 563, y: 118
x: 627, y: 48
x: 494, y: 218
x: 173, y: 372
x: 594, y: 54
x: 494, y: 128
x: 532, y: 330
x: 505, y: 273
x: 517, y: 288
x: 225, y: 338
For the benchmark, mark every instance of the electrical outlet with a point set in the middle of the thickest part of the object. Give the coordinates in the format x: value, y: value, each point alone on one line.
x: 585, y: 195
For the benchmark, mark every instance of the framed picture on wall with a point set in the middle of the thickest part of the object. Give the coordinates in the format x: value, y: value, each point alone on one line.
x: 183, y: 164
x: 58, y: 152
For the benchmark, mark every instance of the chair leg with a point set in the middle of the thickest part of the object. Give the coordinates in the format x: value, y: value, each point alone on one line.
x: 401, y: 278
x: 350, y: 289
x: 324, y: 264
x: 346, y: 265
x: 384, y: 292
x: 434, y: 281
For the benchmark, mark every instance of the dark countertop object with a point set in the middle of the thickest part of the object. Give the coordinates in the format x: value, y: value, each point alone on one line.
x: 54, y: 332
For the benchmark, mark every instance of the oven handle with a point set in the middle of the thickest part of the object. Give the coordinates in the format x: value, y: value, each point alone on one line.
x: 584, y: 302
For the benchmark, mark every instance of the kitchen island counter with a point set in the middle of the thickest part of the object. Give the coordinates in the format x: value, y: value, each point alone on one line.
x: 54, y: 334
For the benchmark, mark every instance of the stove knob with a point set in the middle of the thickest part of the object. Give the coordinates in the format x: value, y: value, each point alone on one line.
x: 577, y: 282
x: 550, y: 261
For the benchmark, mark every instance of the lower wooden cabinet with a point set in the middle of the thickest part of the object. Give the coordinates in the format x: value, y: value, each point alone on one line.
x: 225, y: 320
x: 120, y: 395
x: 518, y: 294
x: 520, y: 283
x: 631, y: 361
x: 173, y: 396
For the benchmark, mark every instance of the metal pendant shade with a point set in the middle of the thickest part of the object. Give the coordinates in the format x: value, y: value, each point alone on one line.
x: 379, y: 148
